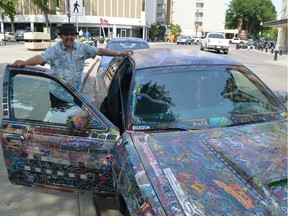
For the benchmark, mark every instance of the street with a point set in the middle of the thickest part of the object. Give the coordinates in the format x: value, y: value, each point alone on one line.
x: 273, y: 73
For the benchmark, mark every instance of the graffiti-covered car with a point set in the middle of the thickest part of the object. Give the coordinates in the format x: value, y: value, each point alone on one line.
x: 172, y: 134
x: 122, y: 44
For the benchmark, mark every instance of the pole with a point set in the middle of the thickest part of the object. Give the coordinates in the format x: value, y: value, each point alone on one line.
x: 77, y: 23
x: 3, y: 16
x: 68, y: 10
x: 197, y: 14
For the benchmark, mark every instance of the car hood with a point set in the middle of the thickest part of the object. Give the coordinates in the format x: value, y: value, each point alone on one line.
x: 233, y: 170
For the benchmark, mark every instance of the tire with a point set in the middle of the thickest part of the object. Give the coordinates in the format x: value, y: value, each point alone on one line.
x: 123, y: 207
x: 9, y: 39
x: 225, y: 52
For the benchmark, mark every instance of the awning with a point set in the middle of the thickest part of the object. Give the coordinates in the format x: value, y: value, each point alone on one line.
x: 276, y: 24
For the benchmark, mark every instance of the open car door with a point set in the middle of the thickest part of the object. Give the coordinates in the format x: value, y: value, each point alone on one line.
x: 52, y: 136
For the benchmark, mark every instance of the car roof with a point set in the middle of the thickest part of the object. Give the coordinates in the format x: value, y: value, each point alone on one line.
x: 127, y: 39
x: 168, y: 57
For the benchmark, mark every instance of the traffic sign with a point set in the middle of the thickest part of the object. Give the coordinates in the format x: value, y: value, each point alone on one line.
x: 76, y: 7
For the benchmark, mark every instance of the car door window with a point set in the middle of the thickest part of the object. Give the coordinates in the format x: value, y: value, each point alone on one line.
x: 41, y: 99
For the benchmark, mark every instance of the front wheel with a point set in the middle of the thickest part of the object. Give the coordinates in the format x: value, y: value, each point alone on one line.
x: 225, y: 52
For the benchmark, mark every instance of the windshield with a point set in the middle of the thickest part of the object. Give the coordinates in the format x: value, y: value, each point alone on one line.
x: 194, y: 97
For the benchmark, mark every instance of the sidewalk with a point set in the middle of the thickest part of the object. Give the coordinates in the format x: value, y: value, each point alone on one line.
x: 23, y: 201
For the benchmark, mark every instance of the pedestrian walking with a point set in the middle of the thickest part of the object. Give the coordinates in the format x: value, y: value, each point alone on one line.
x: 88, y: 35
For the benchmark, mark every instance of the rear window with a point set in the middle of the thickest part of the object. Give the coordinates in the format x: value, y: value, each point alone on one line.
x: 215, y: 36
x: 122, y: 46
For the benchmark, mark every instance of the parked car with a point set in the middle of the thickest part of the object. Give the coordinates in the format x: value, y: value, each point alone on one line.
x: 184, y: 40
x: 195, y: 40
x: 19, y: 34
x: 236, y: 40
x: 173, y: 134
x: 9, y: 36
x: 122, y: 44
x: 215, y: 41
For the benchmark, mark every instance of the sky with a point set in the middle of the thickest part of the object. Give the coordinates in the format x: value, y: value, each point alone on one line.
x: 278, y: 5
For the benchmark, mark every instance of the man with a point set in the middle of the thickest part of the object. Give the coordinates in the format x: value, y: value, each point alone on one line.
x: 80, y: 33
x: 67, y: 57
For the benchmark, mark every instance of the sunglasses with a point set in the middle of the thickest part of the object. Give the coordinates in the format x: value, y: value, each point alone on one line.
x: 71, y: 34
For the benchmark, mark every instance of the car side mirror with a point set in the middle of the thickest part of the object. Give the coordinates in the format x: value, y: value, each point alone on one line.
x: 282, y: 96
x: 78, y: 120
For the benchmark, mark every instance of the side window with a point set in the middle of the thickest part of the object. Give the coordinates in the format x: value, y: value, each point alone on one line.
x: 40, y: 99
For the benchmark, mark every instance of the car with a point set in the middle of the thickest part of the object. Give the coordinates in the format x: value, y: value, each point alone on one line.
x: 215, y: 41
x: 195, y: 40
x: 174, y: 133
x: 236, y: 40
x: 19, y: 34
x: 9, y: 36
x: 184, y: 40
x: 121, y: 44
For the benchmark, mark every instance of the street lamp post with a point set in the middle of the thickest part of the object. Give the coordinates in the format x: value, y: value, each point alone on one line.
x: 68, y: 10
x: 260, y: 30
x: 196, y: 24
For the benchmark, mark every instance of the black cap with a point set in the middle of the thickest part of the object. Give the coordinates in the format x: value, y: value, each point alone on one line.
x: 67, y: 28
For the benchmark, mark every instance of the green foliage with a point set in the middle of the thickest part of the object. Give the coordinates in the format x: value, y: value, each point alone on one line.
x: 249, y: 14
x: 9, y: 8
x: 47, y: 7
x: 154, y: 29
x: 174, y: 29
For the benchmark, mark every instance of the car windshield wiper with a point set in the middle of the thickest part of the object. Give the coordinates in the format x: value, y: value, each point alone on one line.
x: 246, y: 123
x: 165, y: 129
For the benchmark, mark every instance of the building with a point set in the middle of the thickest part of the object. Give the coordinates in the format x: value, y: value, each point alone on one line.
x: 281, y: 24
x: 111, y: 18
x: 199, y: 16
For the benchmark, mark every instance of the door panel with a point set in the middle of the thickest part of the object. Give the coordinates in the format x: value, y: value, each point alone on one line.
x: 52, y: 139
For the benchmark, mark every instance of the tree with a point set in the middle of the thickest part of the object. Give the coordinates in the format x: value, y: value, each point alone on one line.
x: 47, y: 7
x: 249, y: 15
x: 154, y: 30
x: 174, y: 29
x: 9, y: 9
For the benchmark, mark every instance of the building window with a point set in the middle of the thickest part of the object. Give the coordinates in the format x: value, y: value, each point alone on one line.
x: 58, y: 3
x: 198, y: 24
x: 199, y: 5
x: 143, y: 5
x: 160, y: 15
x: 198, y: 14
x: 161, y: 6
